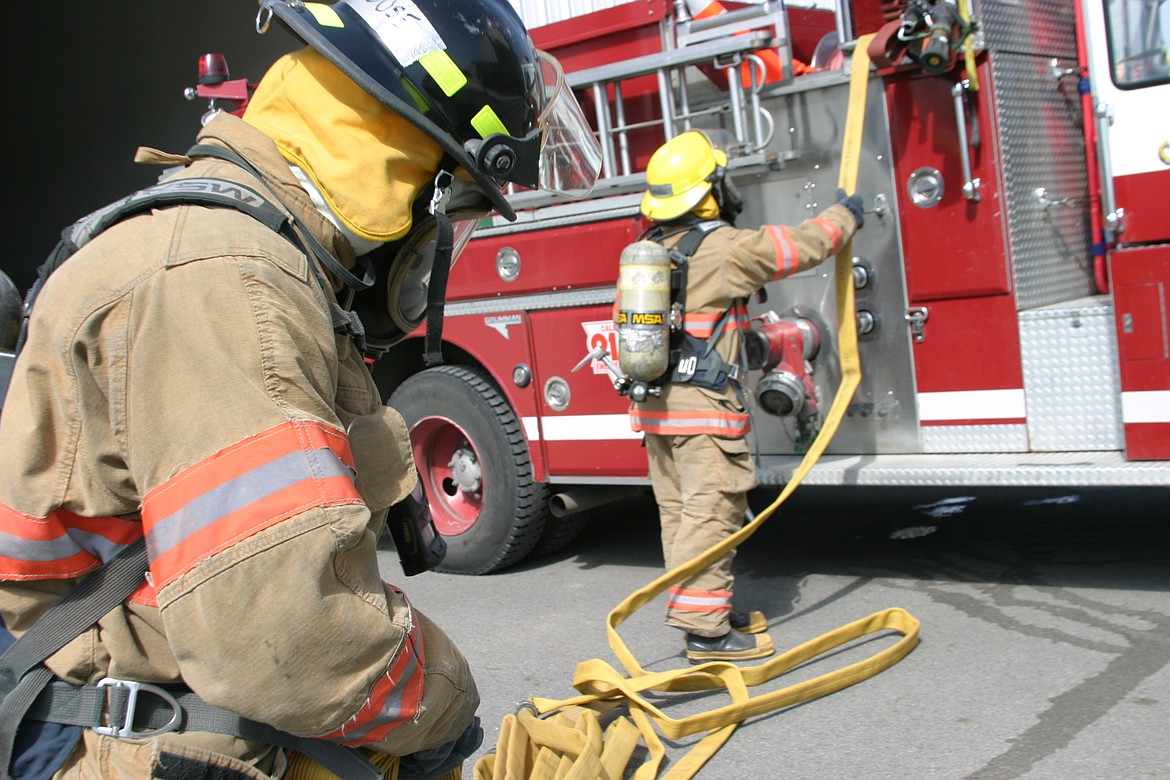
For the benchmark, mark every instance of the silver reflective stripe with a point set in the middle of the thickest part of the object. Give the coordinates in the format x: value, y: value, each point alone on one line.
x: 698, y: 601
x: 40, y: 551
x: 655, y: 423
x: 235, y: 494
x: 391, y: 708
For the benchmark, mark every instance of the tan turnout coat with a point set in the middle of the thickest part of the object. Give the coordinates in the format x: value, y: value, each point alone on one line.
x: 182, y: 377
x: 700, y: 467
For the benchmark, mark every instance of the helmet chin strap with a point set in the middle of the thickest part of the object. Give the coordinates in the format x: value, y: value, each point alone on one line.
x: 440, y: 267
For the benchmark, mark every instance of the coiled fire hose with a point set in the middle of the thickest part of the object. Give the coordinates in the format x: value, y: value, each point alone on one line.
x: 550, y: 739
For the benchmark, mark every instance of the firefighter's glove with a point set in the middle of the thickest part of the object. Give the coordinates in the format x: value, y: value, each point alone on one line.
x: 855, y: 205
x: 437, y: 762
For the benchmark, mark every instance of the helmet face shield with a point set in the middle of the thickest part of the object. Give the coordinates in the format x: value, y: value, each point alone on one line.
x: 467, y: 74
x: 570, y: 157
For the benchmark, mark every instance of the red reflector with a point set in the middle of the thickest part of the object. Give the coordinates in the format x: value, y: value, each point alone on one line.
x: 213, y: 69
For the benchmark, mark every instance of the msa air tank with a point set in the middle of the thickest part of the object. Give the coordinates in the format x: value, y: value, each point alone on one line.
x: 643, y: 311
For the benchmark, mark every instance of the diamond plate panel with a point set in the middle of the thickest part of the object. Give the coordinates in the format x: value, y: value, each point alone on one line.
x: 1042, y: 148
x: 1039, y: 27
x: 974, y: 438
x: 1072, y: 391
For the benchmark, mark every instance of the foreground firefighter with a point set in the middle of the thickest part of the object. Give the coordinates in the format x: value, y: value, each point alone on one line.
x: 696, y: 418
x: 194, y: 377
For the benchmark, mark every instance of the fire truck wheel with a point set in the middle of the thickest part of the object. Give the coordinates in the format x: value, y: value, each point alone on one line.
x: 473, y: 458
x: 560, y: 532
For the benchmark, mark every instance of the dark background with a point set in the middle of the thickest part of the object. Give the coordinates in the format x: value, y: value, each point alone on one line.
x: 97, y: 81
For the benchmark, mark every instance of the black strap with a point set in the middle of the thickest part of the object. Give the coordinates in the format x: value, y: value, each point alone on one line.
x: 28, y: 689
x: 210, y: 192
x: 344, y: 321
x: 696, y: 231
x: 21, y: 674
x: 315, y: 247
x: 96, y: 595
x: 199, y: 190
x: 689, y: 244
x: 204, y: 191
x: 437, y: 290
x: 106, y: 708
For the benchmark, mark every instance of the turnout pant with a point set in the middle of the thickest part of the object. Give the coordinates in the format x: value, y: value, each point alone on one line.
x: 700, y: 484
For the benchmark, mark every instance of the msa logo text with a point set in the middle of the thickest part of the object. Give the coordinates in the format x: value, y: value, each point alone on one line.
x: 640, y: 318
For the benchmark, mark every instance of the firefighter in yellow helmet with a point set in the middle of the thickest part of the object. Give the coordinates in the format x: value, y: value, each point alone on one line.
x: 694, y: 430
x: 194, y: 376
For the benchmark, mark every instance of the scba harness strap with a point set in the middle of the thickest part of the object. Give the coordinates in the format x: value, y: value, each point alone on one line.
x: 692, y: 361
x: 29, y: 691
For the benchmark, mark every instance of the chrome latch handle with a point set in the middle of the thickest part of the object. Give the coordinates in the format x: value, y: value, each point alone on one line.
x: 970, y: 185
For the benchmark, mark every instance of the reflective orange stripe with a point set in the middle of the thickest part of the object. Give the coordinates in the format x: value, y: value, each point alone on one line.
x: 144, y: 594
x: 701, y: 325
x: 396, y: 698
x: 60, y: 544
x: 703, y: 601
x: 787, y: 253
x: 243, y: 489
x: 833, y: 231
x: 689, y: 423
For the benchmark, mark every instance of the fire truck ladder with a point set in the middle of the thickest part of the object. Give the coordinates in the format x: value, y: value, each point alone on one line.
x: 725, y: 42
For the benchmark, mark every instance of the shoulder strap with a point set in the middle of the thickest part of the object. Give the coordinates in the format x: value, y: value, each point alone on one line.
x: 315, y: 247
x: 681, y: 254
x: 344, y: 321
x: 206, y: 191
x: 696, y: 232
x: 198, y: 191
x: 689, y: 244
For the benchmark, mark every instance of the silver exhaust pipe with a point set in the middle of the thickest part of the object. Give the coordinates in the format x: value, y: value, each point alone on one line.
x: 587, y: 497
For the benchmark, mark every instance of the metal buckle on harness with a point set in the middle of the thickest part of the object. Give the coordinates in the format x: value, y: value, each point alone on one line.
x: 126, y: 730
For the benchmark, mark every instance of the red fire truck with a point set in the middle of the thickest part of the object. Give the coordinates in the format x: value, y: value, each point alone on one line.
x: 1011, y: 280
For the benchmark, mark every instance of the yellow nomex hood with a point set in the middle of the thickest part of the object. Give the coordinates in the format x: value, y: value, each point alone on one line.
x: 368, y: 162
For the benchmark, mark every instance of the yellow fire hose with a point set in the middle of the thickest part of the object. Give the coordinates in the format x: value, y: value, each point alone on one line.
x: 969, y: 50
x: 569, y: 741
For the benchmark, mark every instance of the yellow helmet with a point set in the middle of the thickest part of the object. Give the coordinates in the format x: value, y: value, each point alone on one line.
x: 680, y: 174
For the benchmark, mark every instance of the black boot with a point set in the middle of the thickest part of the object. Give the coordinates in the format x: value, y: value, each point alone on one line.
x: 732, y: 646
x: 752, y: 622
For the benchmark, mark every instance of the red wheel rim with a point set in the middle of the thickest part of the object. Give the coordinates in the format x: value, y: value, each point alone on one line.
x: 449, y: 465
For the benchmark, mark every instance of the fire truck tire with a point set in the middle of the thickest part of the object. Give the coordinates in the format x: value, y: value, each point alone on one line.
x: 560, y: 532
x: 473, y: 458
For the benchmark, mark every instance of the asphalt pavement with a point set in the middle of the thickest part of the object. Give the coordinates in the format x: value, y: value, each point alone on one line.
x: 1045, y: 628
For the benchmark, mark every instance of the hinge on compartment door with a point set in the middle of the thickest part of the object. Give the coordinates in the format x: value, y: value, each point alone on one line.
x: 916, y: 316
